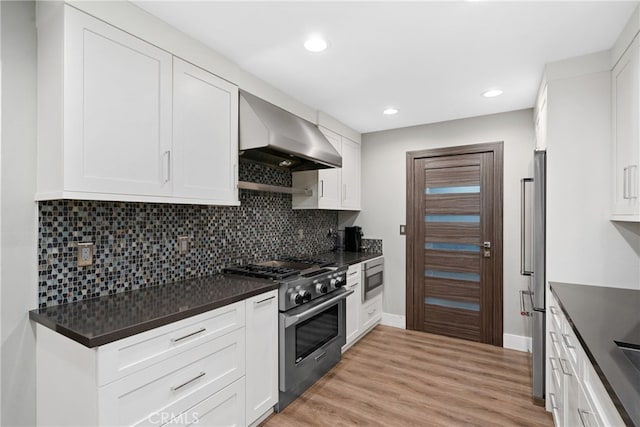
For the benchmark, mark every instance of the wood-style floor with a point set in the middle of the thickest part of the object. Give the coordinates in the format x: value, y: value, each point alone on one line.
x: 394, y: 377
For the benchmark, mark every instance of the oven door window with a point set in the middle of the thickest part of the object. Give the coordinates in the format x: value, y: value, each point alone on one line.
x: 316, y: 332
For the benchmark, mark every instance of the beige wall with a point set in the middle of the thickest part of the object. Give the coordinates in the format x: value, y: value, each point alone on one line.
x: 384, y: 194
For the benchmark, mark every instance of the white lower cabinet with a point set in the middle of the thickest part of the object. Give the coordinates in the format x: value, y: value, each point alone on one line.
x: 371, y: 313
x: 577, y: 397
x: 262, y: 354
x: 362, y: 316
x: 214, y: 369
x: 354, y: 282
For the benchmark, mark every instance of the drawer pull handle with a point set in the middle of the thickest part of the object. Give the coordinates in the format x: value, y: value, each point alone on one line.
x: 186, y: 383
x: 371, y: 312
x: 353, y: 273
x: 567, y: 342
x: 320, y: 357
x: 564, y: 369
x: 265, y: 300
x: 199, y: 331
x: 552, y: 396
x: 584, y: 420
x: 552, y: 362
x: 554, y: 336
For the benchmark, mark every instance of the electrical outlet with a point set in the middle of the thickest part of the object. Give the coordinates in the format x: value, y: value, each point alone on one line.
x: 85, y: 254
x: 403, y: 230
x: 183, y: 244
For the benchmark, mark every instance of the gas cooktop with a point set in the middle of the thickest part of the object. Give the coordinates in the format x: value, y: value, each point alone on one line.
x: 282, y: 268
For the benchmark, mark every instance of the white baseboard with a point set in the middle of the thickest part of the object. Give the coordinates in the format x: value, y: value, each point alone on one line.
x: 395, y: 320
x: 516, y: 342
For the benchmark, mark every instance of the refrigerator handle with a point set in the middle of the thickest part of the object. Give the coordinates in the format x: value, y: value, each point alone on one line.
x: 523, y: 227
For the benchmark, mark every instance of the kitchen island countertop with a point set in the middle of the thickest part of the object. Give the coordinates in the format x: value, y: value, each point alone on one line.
x: 598, y: 316
x: 98, y: 321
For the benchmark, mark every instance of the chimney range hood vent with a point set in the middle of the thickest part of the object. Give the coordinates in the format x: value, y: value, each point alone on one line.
x: 273, y: 136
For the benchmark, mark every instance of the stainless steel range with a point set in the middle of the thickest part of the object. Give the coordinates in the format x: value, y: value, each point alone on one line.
x: 312, y: 319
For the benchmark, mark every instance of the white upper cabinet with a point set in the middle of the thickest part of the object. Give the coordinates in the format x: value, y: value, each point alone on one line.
x: 625, y: 89
x: 350, y: 174
x: 329, y: 179
x: 117, y: 111
x: 204, y: 121
x: 336, y: 188
x: 116, y: 121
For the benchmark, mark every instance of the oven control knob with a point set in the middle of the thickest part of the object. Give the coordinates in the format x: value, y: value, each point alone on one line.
x: 322, y: 288
x: 306, y: 296
x: 339, y: 282
x: 297, y: 298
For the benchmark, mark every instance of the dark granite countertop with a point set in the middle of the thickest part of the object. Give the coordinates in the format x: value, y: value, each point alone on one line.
x: 598, y: 316
x: 99, y: 321
x: 340, y: 258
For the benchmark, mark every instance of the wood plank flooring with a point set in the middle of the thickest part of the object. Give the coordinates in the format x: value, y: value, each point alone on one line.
x: 394, y: 377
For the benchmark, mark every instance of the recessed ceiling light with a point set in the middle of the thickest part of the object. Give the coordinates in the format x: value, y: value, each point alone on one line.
x: 390, y: 111
x: 492, y: 93
x: 315, y: 44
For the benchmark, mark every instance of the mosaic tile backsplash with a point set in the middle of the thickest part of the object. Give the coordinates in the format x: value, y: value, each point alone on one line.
x: 136, y: 243
x: 372, y: 245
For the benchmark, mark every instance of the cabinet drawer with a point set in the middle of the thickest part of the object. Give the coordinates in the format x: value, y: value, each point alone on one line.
x: 604, y: 411
x: 129, y: 355
x: 571, y: 345
x: 371, y: 313
x: 175, y: 384
x: 354, y: 272
x: 225, y: 408
x: 557, y: 406
x: 556, y: 316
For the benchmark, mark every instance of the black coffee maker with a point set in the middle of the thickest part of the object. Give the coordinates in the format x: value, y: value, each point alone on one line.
x: 352, y: 239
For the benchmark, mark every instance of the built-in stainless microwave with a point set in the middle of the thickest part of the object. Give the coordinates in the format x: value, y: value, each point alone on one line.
x: 373, y: 272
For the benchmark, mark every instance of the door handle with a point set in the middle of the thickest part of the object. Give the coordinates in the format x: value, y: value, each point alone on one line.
x: 523, y: 218
x: 625, y: 183
x: 167, y: 166
x: 487, y: 249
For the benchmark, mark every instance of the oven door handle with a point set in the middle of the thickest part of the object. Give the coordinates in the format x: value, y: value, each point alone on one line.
x: 297, y: 318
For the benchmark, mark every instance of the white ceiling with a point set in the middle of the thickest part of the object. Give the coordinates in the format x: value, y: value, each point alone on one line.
x: 431, y: 60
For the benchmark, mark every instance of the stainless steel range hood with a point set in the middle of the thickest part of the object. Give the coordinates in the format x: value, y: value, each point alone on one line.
x: 273, y: 136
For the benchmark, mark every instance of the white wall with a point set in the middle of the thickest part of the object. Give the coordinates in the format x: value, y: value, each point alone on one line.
x: 384, y: 194
x: 583, y: 246
x: 18, y: 273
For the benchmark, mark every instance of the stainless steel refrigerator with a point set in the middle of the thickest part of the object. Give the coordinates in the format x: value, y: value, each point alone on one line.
x: 532, y: 264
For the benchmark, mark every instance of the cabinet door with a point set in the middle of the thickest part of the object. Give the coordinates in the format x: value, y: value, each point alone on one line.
x: 117, y: 95
x: 205, y: 135
x: 626, y: 138
x: 329, y: 179
x: 350, y: 174
x: 262, y: 354
x: 371, y: 313
x: 354, y: 283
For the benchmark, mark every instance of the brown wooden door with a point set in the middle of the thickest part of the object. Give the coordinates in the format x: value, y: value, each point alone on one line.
x: 456, y: 245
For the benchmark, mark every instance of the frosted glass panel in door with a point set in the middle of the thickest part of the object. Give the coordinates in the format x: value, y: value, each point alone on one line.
x: 118, y: 111
x: 205, y: 130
